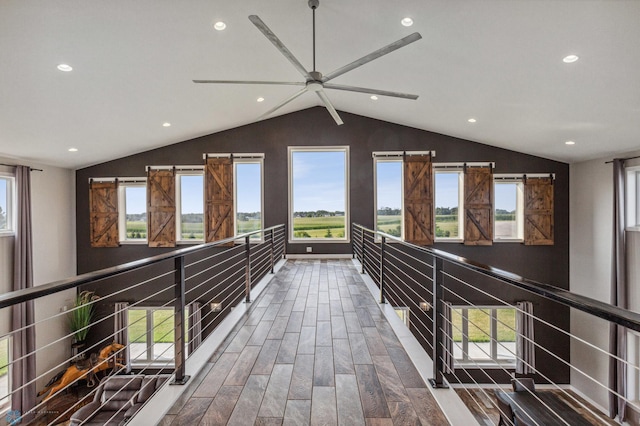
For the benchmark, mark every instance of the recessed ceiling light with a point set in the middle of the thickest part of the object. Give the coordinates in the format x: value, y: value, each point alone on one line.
x: 569, y: 143
x: 166, y: 124
x: 407, y: 22
x: 374, y: 98
x: 73, y: 149
x: 260, y: 99
x: 65, y: 67
x: 570, y: 59
x: 219, y: 25
x: 472, y: 120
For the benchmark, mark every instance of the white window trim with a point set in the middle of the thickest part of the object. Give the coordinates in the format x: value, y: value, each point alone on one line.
x: 122, y: 209
x: 11, y: 205
x: 5, y: 406
x: 248, y: 159
x: 455, y: 168
x: 188, y: 171
x: 148, y: 361
x: 632, y: 182
x: 501, y: 179
x: 347, y: 214
x: 387, y: 159
x: 493, y: 362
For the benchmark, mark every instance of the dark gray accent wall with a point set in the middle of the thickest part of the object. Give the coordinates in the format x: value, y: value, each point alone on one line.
x: 314, y: 127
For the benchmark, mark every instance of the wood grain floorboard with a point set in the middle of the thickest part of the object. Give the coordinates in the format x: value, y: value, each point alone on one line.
x: 342, y: 359
x: 346, y: 393
x: 323, y: 406
x: 297, y: 413
x: 287, y: 352
x: 302, y: 379
x: 402, y: 413
x: 373, y: 401
x: 211, y: 383
x: 323, y: 370
x: 426, y: 407
x: 359, y: 349
x: 389, y: 379
x: 323, y: 333
x: 222, y: 406
x: 242, y: 368
x: 192, y: 412
x: 246, y: 409
x: 267, y: 357
x: 275, y: 397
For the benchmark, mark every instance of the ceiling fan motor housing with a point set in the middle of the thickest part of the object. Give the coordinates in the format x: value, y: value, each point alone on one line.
x: 313, y: 4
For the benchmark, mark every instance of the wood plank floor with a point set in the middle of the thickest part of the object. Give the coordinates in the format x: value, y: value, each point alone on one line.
x: 313, y: 349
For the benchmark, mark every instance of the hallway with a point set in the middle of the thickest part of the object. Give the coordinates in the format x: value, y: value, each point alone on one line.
x: 313, y: 349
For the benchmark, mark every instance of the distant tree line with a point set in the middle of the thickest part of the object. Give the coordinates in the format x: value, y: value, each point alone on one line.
x: 318, y: 213
x: 193, y: 217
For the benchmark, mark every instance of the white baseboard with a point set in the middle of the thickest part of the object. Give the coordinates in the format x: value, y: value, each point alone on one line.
x: 166, y: 397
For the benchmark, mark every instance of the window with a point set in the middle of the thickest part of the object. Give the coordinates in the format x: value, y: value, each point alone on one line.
x: 448, y: 196
x: 318, y: 179
x: 633, y: 198
x: 248, y: 195
x: 5, y: 397
x: 484, y: 335
x: 508, y: 210
x: 7, y: 184
x: 132, y: 199
x: 151, y: 337
x: 403, y: 312
x: 190, y: 205
x: 389, y: 192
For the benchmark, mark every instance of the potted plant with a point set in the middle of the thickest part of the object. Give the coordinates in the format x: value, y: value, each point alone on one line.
x: 81, y: 316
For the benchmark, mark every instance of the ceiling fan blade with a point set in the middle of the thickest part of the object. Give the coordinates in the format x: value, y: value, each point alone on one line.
x: 279, y: 45
x: 371, y: 91
x: 329, y: 106
x: 287, y: 83
x: 373, y: 55
x: 283, y: 103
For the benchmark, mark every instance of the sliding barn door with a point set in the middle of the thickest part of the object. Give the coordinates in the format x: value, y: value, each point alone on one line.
x: 161, y: 208
x: 103, y: 209
x: 218, y: 190
x: 418, y: 200
x: 538, y: 211
x: 478, y: 206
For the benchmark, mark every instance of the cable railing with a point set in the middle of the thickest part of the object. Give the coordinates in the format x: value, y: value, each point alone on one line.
x: 491, y: 333
x: 149, y: 316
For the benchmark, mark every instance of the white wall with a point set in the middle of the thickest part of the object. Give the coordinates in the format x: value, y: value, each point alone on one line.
x: 591, y: 215
x: 54, y: 258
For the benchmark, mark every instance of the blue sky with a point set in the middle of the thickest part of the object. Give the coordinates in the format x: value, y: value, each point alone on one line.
x: 318, y: 181
x: 3, y: 194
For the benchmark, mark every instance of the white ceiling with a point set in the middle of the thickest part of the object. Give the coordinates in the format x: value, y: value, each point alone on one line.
x: 499, y: 61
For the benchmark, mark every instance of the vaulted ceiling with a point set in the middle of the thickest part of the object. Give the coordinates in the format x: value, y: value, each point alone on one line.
x: 499, y: 62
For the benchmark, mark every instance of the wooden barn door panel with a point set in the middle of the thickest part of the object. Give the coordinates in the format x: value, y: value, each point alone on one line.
x: 538, y: 211
x: 418, y: 200
x: 161, y: 207
x: 103, y: 208
x: 478, y: 206
x: 219, y: 223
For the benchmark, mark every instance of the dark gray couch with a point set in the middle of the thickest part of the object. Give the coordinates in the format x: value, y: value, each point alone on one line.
x: 117, y: 399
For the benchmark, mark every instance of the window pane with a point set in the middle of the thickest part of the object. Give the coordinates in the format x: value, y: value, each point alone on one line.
x: 480, y: 334
x: 456, y: 326
x: 506, y: 210
x: 248, y: 198
x: 136, y: 212
x: 163, y: 334
x: 447, y: 189
x: 4, y: 203
x: 318, y: 180
x: 506, y: 329
x: 389, y: 197
x: 4, y: 374
x: 138, y: 335
x: 191, y: 207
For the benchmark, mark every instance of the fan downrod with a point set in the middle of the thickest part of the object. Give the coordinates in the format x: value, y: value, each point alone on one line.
x: 314, y: 4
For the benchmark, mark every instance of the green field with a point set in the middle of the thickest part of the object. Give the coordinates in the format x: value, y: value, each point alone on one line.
x: 190, y: 231
x: 319, y: 227
x: 4, y: 356
x: 479, y: 325
x: 162, y: 331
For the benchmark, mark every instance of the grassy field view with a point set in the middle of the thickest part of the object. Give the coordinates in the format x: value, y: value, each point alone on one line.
x: 480, y: 325
x: 4, y: 356
x: 190, y: 231
x: 319, y: 227
x: 162, y: 331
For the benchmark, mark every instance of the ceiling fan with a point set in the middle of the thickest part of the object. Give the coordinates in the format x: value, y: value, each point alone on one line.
x: 314, y: 80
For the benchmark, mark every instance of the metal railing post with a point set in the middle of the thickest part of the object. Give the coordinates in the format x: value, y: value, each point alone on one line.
x: 271, y: 251
x: 247, y: 270
x: 353, y: 241
x: 362, y: 249
x: 179, y: 328
x: 382, y: 244
x: 438, y: 342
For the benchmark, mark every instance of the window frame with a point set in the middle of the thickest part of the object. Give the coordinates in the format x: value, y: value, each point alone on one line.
x: 507, y: 179
x: 10, y: 213
x: 291, y: 150
x: 188, y: 171
x: 632, y: 183
x: 492, y: 361
x: 390, y: 158
x: 150, y: 343
x: 248, y: 159
x: 449, y: 169
x: 6, y: 405
x: 123, y: 184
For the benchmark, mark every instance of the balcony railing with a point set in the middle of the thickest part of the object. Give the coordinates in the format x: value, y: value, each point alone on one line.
x: 206, y: 280
x: 470, y: 318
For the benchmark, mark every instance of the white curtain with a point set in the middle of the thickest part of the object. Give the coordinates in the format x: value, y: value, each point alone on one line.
x: 195, y: 326
x: 121, y: 330
x: 525, y: 348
